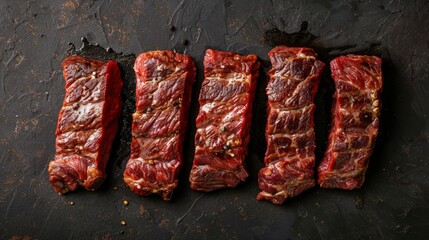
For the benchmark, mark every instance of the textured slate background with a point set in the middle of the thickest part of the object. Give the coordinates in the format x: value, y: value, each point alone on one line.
x: 34, y: 36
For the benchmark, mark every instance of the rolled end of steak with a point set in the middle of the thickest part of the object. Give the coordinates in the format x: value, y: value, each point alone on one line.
x: 355, y: 120
x: 163, y: 96
x: 87, y: 123
x: 224, y: 119
x: 290, y: 159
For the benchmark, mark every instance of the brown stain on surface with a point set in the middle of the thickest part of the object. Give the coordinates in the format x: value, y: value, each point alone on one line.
x: 25, y: 237
x: 142, y: 210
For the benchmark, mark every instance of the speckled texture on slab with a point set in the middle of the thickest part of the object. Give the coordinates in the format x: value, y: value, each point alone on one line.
x: 34, y: 37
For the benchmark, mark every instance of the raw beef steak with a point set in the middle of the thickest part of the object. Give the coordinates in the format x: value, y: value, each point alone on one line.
x: 163, y: 95
x: 355, y: 119
x: 290, y: 159
x: 87, y: 123
x: 224, y: 120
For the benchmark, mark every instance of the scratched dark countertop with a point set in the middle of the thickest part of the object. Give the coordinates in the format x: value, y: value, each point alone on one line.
x: 35, y: 37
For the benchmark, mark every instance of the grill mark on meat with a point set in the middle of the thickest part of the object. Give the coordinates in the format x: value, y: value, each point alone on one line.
x: 164, y: 85
x: 289, y: 159
x: 87, y: 124
x: 356, y: 110
x: 223, y: 122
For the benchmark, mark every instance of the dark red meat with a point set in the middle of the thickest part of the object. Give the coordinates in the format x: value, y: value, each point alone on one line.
x: 223, y: 121
x: 355, y: 113
x: 290, y: 159
x: 163, y: 96
x: 87, y: 123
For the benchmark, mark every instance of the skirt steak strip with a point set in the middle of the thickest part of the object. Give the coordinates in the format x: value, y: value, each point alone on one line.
x: 290, y: 159
x: 224, y: 119
x: 87, y: 123
x: 163, y: 96
x: 355, y: 113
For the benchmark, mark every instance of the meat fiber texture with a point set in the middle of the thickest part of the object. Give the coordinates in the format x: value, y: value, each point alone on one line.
x: 224, y: 119
x: 87, y: 123
x: 290, y: 159
x: 163, y: 96
x: 355, y: 120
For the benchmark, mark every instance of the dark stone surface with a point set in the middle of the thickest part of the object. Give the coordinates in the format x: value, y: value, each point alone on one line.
x: 34, y: 37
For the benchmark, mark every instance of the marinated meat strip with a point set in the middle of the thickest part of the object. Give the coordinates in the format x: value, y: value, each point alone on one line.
x: 87, y: 123
x: 355, y: 119
x: 224, y: 120
x: 290, y: 159
x: 163, y: 96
